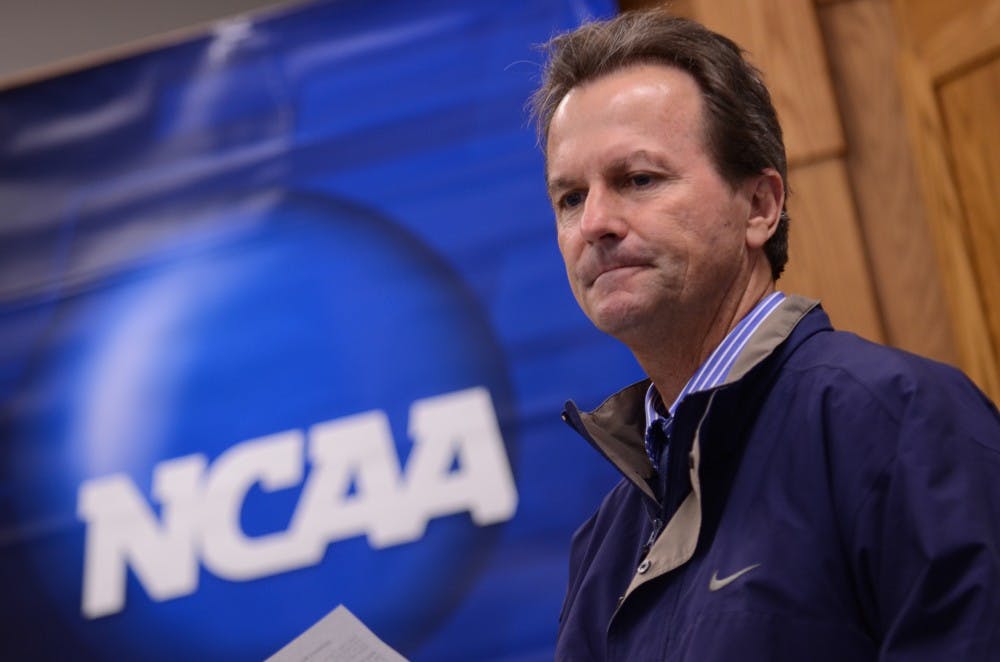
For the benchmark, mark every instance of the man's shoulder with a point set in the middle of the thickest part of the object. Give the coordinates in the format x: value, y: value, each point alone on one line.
x: 810, y: 353
x: 867, y: 362
x: 849, y: 371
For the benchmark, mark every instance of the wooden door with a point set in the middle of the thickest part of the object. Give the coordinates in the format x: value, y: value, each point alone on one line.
x: 949, y: 68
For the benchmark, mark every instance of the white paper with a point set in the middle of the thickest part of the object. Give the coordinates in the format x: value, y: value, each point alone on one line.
x: 337, y: 637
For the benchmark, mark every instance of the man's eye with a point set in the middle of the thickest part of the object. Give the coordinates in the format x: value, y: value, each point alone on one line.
x: 571, y: 200
x: 640, y: 180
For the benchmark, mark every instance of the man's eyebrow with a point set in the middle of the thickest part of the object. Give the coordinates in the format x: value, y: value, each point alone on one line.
x: 560, y: 184
x: 639, y: 155
x: 617, y: 165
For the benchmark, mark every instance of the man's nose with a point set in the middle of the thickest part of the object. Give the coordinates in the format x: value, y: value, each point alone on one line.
x: 602, y: 217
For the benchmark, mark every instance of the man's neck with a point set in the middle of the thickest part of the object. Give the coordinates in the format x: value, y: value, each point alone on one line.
x: 672, y: 358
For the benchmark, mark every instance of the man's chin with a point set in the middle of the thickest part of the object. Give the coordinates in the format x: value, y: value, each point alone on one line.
x: 619, y: 319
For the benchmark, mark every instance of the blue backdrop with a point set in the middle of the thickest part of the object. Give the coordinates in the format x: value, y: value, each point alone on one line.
x: 283, y: 325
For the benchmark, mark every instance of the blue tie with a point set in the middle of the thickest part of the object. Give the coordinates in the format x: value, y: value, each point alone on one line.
x: 658, y: 443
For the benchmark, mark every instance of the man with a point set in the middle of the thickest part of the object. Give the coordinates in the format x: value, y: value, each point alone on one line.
x: 789, y: 492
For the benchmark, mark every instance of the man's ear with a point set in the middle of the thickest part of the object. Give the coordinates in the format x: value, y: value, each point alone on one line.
x: 767, y: 196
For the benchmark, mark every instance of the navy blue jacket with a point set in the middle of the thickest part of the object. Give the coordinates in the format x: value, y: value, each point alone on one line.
x: 834, y: 499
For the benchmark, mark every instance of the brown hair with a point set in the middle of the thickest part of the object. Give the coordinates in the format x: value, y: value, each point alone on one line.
x: 741, y: 127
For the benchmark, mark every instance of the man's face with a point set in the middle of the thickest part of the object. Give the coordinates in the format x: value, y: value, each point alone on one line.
x: 650, y: 232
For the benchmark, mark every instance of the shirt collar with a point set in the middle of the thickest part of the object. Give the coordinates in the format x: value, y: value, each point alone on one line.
x: 716, y: 367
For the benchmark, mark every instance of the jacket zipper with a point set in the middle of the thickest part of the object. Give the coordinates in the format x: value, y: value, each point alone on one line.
x: 653, y: 535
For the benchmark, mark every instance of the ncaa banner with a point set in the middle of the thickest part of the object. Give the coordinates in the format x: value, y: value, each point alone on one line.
x: 283, y: 326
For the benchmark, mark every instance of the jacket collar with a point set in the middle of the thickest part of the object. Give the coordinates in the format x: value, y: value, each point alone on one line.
x: 617, y: 427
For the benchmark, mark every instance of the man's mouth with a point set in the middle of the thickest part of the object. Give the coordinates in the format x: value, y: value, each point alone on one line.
x: 615, y: 269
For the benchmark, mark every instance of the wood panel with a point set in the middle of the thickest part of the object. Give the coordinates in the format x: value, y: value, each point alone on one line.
x: 970, y: 104
x: 861, y: 47
x: 969, y: 36
x: 827, y: 260
x: 676, y: 7
x: 977, y: 355
x: 934, y: 26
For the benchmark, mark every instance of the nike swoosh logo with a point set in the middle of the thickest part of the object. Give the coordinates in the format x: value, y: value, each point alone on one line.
x: 714, y: 584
